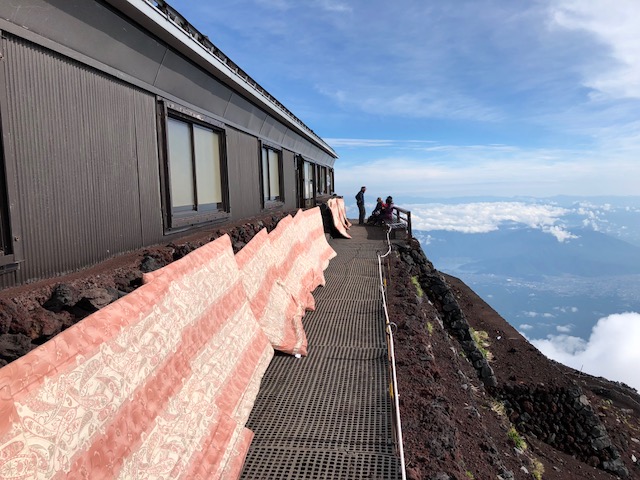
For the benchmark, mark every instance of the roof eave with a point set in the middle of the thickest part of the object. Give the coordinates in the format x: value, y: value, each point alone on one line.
x: 194, y: 45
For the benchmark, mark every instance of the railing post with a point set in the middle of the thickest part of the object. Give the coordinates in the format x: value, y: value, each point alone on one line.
x: 409, y: 226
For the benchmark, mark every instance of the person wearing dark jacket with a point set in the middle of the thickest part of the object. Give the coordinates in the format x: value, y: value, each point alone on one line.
x: 360, y: 202
x: 375, y: 215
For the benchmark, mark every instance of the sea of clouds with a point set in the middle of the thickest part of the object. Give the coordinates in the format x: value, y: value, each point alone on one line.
x: 484, y: 217
x: 611, y: 350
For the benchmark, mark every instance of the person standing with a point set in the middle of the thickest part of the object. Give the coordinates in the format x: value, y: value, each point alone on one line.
x: 360, y: 202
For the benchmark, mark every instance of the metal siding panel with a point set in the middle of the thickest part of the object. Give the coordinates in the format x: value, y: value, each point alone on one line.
x: 273, y: 130
x: 290, y: 141
x: 74, y: 141
x: 189, y: 83
x: 289, y: 174
x: 256, y: 120
x: 296, y: 143
x: 148, y: 170
x: 244, y: 174
x: 244, y: 114
x: 92, y: 29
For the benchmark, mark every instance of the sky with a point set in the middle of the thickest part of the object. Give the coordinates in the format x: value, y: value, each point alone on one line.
x: 432, y: 99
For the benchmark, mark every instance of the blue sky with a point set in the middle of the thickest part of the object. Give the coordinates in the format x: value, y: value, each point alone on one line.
x: 424, y: 98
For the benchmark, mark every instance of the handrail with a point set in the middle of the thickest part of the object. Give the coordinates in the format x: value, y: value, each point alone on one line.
x: 406, y: 218
x: 392, y: 355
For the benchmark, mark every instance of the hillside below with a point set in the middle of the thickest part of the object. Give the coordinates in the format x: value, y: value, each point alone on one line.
x: 477, y: 400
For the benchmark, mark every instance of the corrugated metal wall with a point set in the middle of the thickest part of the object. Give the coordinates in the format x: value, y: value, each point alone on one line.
x: 85, y: 156
x: 244, y: 174
x: 94, y: 29
x: 79, y: 116
x: 289, y: 171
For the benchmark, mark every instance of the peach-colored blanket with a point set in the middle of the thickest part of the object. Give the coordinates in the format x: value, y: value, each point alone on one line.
x: 339, y: 216
x: 160, y: 384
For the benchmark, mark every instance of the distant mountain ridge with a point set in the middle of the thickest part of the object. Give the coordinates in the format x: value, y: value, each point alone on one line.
x: 522, y: 251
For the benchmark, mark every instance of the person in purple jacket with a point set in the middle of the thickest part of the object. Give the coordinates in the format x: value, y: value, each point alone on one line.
x: 387, y: 210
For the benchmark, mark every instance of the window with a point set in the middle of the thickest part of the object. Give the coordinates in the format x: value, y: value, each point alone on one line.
x: 195, y: 172
x: 322, y: 180
x: 271, y: 168
x: 330, y: 181
x: 307, y: 184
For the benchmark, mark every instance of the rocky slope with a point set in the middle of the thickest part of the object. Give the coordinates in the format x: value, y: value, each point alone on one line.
x: 477, y: 400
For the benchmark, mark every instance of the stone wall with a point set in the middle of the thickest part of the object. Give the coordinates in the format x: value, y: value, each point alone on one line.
x: 563, y: 418
x: 439, y: 292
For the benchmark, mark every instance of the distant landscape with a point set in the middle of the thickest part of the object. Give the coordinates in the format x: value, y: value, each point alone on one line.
x: 563, y: 271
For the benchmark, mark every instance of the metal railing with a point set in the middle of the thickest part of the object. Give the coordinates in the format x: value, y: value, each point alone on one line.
x: 400, y: 215
x: 393, y: 387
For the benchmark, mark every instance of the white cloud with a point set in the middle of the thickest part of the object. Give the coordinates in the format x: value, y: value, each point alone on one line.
x: 275, y: 4
x: 566, y: 309
x: 531, y: 314
x: 611, y: 350
x: 483, y: 217
x: 418, y: 104
x: 526, y: 326
x: 564, y: 328
x: 560, y: 233
x: 614, y: 26
x: 358, y: 142
x: 375, y: 143
x: 326, y: 5
x: 334, y: 6
x: 439, y: 170
x: 426, y: 240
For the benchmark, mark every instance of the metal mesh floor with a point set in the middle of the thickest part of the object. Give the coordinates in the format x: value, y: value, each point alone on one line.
x: 328, y: 415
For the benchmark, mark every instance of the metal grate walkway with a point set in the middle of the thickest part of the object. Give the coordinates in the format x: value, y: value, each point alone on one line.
x: 328, y: 416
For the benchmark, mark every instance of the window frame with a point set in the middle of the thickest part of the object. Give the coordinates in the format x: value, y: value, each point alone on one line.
x: 309, y: 166
x: 185, y: 217
x: 330, y: 181
x: 279, y: 201
x: 322, y: 180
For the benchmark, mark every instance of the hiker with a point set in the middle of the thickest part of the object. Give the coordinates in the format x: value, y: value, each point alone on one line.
x: 375, y: 215
x: 387, y: 211
x: 360, y: 202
